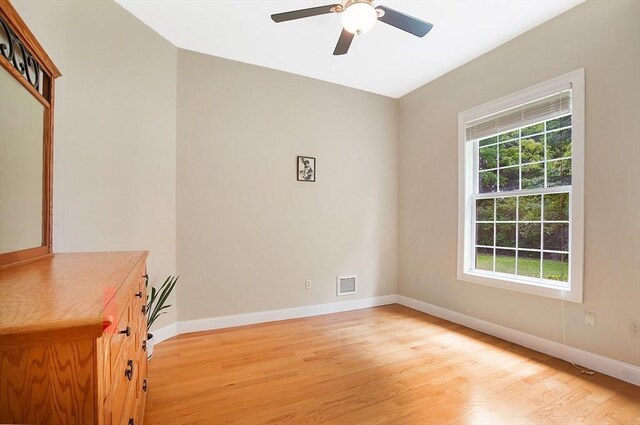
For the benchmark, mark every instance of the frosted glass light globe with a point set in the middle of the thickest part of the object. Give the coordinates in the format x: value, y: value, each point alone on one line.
x: 359, y: 18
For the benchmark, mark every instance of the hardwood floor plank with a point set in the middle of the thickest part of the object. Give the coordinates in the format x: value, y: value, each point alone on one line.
x: 383, y: 365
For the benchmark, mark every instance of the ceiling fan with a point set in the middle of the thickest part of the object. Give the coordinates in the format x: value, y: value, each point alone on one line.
x: 358, y: 17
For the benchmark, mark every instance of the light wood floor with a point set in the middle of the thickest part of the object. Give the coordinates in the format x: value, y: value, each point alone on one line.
x: 384, y: 365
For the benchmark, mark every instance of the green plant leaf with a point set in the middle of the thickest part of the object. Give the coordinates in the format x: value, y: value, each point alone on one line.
x: 154, y: 294
x: 165, y: 291
x: 156, y: 305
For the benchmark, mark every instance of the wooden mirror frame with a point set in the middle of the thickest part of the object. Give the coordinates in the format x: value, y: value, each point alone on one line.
x: 25, y: 59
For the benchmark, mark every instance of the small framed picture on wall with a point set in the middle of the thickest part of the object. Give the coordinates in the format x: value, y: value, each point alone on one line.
x: 306, y: 169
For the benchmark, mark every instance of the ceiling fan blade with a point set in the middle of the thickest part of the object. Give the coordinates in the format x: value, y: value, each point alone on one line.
x: 407, y: 23
x: 305, y: 13
x: 344, y: 42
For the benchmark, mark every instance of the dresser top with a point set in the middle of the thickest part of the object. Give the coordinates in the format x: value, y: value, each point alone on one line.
x: 63, y: 291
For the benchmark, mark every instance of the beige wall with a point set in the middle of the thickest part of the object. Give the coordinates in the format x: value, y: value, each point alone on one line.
x: 604, y: 38
x: 249, y: 234
x: 114, y: 164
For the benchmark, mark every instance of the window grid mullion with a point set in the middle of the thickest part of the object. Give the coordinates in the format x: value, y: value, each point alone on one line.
x: 520, y: 160
x: 550, y: 251
x: 495, y: 217
x: 518, y: 200
x: 523, y: 192
x: 517, y: 233
x: 497, y: 168
x: 541, y: 232
x: 528, y: 163
x: 544, y: 151
x: 525, y: 222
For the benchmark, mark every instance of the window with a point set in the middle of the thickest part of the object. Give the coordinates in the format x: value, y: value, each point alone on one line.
x: 521, y: 175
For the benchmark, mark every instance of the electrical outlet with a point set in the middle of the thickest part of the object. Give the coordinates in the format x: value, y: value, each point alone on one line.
x: 589, y: 318
x: 635, y: 327
x: 307, y: 284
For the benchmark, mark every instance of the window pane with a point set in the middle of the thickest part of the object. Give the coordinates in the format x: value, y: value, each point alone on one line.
x: 529, y: 208
x: 556, y: 207
x: 506, y: 261
x: 509, y: 179
x: 484, y: 209
x: 509, y: 135
x: 516, y: 233
x: 506, y: 209
x: 506, y: 235
x: 559, y: 144
x: 555, y: 266
x: 533, y: 176
x: 484, y: 259
x: 488, y: 181
x: 529, y: 263
x: 533, y: 129
x: 559, y: 122
x: 556, y: 236
x: 484, y: 234
x: 488, y: 157
x: 489, y: 141
x: 533, y: 149
x: 529, y: 235
x: 559, y: 173
x: 509, y: 154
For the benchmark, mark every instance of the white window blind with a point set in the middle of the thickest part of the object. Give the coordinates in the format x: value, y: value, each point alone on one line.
x: 550, y: 107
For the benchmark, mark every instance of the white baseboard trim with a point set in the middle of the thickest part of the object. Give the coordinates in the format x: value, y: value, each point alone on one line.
x: 198, y: 325
x: 165, y: 332
x: 611, y: 367
x: 188, y: 326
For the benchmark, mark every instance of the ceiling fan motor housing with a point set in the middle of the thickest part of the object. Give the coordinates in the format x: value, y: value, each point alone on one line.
x: 348, y: 3
x: 359, y: 16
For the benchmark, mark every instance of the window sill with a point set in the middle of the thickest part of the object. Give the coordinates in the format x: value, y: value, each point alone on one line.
x: 521, y: 285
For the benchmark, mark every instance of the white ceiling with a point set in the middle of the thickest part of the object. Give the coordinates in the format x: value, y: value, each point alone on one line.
x: 385, y: 60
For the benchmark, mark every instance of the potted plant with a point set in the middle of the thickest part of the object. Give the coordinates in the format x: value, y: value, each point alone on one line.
x: 156, y: 306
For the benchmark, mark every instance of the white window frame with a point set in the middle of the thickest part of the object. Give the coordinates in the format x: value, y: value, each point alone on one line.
x: 573, y: 291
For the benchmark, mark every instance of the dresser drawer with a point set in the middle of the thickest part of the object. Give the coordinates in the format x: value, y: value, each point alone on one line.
x: 122, y: 344
x: 127, y: 365
x: 124, y: 401
x: 139, y: 293
x: 139, y: 312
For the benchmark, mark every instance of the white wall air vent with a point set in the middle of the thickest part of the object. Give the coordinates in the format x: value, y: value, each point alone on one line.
x: 346, y: 285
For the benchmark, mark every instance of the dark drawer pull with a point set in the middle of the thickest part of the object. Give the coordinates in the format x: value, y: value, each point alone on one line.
x: 127, y: 331
x: 146, y: 279
x: 144, y: 345
x: 144, y: 309
x: 131, y: 422
x: 144, y: 385
x: 129, y: 370
x: 139, y: 294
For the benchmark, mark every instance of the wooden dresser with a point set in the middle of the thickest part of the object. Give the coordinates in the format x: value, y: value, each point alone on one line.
x: 73, y: 340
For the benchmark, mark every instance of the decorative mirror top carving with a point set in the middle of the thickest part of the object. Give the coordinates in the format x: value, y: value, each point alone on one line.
x: 15, y: 52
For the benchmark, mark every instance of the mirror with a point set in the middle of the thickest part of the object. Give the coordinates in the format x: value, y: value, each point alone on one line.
x: 21, y: 166
x: 27, y: 87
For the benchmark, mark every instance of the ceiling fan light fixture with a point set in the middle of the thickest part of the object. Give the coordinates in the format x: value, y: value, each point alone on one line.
x: 359, y: 17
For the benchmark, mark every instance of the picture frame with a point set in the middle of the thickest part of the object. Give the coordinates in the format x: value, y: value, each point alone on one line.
x: 306, y: 169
